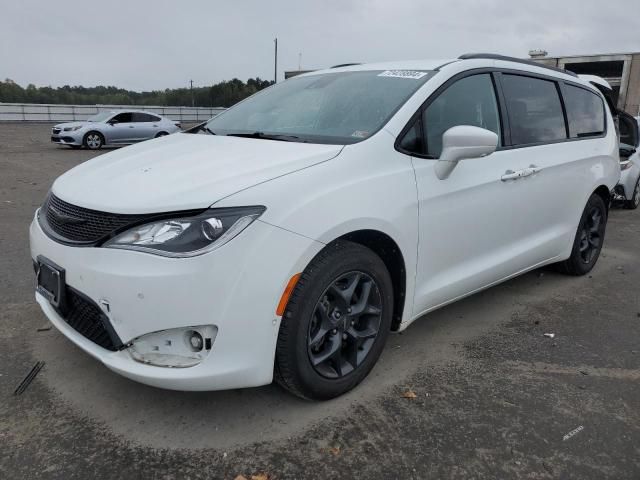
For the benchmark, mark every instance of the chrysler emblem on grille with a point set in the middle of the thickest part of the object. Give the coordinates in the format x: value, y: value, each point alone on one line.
x: 64, y: 218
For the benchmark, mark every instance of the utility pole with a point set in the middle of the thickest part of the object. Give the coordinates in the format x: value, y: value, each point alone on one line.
x: 193, y: 103
x: 299, y: 61
x: 275, y: 63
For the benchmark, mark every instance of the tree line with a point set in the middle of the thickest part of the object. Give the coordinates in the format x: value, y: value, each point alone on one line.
x: 223, y: 94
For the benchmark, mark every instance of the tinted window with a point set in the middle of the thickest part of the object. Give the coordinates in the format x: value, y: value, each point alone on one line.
x: 144, y: 117
x: 469, y: 101
x: 628, y: 131
x: 412, y: 140
x: 535, y: 112
x: 122, y: 117
x: 585, y: 112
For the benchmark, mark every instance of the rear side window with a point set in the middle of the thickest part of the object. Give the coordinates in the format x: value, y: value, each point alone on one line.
x: 469, y: 101
x: 585, y: 112
x: 535, y: 111
x: 144, y: 117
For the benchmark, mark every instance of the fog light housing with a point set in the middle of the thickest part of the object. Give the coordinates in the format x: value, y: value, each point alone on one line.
x: 174, y: 348
x: 196, y: 341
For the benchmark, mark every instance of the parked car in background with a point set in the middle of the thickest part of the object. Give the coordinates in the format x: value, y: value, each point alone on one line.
x: 628, y: 189
x: 288, y: 236
x: 113, y: 128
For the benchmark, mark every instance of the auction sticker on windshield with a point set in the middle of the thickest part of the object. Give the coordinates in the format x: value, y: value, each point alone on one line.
x: 403, y: 74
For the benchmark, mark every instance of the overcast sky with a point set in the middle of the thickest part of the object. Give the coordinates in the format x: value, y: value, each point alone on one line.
x: 145, y: 44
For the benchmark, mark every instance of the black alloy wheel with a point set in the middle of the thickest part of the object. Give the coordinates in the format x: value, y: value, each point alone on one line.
x: 589, y: 238
x: 345, y: 324
x: 635, y: 199
x: 591, y: 234
x: 336, y: 322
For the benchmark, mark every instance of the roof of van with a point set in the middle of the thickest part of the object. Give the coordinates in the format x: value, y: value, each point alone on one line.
x: 489, y: 59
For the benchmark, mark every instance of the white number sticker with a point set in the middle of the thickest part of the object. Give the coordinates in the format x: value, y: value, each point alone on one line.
x: 414, y: 74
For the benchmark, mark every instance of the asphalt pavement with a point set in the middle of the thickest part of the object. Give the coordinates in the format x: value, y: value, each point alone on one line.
x: 472, y: 391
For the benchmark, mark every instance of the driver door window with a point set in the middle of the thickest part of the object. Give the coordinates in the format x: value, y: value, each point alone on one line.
x: 469, y: 101
x: 122, y: 118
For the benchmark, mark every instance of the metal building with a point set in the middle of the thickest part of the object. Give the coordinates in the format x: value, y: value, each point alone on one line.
x: 621, y: 70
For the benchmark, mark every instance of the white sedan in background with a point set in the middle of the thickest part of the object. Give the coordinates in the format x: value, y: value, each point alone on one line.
x: 113, y: 128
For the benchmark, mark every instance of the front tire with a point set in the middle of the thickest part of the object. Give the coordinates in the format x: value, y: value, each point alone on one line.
x: 589, y: 238
x: 335, y: 324
x: 93, y: 141
x: 635, y: 199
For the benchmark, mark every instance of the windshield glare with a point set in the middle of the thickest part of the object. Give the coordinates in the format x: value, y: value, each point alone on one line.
x: 336, y: 108
x: 99, y: 117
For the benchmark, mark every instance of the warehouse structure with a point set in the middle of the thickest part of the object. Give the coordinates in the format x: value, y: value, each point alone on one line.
x: 621, y: 70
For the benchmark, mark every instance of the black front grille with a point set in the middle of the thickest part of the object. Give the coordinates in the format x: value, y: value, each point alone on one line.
x: 82, y: 225
x: 86, y: 318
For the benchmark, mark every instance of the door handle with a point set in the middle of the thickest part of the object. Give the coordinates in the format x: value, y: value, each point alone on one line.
x: 534, y: 169
x: 525, y: 172
x: 511, y: 175
x: 131, y: 126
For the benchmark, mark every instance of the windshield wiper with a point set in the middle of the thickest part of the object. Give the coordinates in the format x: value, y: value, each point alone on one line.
x: 266, y: 136
x: 200, y: 128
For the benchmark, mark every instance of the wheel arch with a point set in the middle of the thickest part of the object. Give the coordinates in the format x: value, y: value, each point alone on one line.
x: 603, y: 192
x: 390, y: 253
x: 84, y: 137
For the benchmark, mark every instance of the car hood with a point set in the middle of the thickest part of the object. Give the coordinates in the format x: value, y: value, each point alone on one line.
x: 183, y: 171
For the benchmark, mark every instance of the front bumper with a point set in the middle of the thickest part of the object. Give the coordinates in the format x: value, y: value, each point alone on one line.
x: 67, y: 138
x: 236, y: 288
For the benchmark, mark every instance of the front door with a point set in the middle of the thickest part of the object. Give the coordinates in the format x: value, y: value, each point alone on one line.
x: 482, y: 223
x: 120, y: 129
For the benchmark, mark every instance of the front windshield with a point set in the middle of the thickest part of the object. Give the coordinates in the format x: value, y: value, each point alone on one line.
x: 336, y: 108
x: 100, y: 117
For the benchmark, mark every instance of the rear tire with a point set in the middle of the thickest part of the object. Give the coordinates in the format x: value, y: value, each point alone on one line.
x: 93, y: 141
x: 589, y: 238
x: 635, y: 199
x: 335, y: 324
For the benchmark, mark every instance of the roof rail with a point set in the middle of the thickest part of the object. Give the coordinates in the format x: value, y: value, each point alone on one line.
x: 346, y: 65
x: 493, y: 56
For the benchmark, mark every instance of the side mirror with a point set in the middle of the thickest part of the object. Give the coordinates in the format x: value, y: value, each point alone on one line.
x: 112, y: 122
x: 461, y: 143
x: 626, y: 150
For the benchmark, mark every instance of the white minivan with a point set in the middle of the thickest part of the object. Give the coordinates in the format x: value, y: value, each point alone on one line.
x: 286, y: 237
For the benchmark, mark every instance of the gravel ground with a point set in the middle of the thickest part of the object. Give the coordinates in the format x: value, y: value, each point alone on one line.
x: 494, y: 397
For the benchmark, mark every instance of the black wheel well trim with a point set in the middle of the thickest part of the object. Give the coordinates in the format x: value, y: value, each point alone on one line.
x: 389, y: 252
x: 604, y: 193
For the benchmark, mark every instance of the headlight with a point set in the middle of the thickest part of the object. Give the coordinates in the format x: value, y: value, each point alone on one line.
x: 626, y: 165
x: 72, y: 129
x: 188, y: 236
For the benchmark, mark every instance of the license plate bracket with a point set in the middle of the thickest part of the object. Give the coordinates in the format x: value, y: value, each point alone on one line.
x: 50, y: 281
